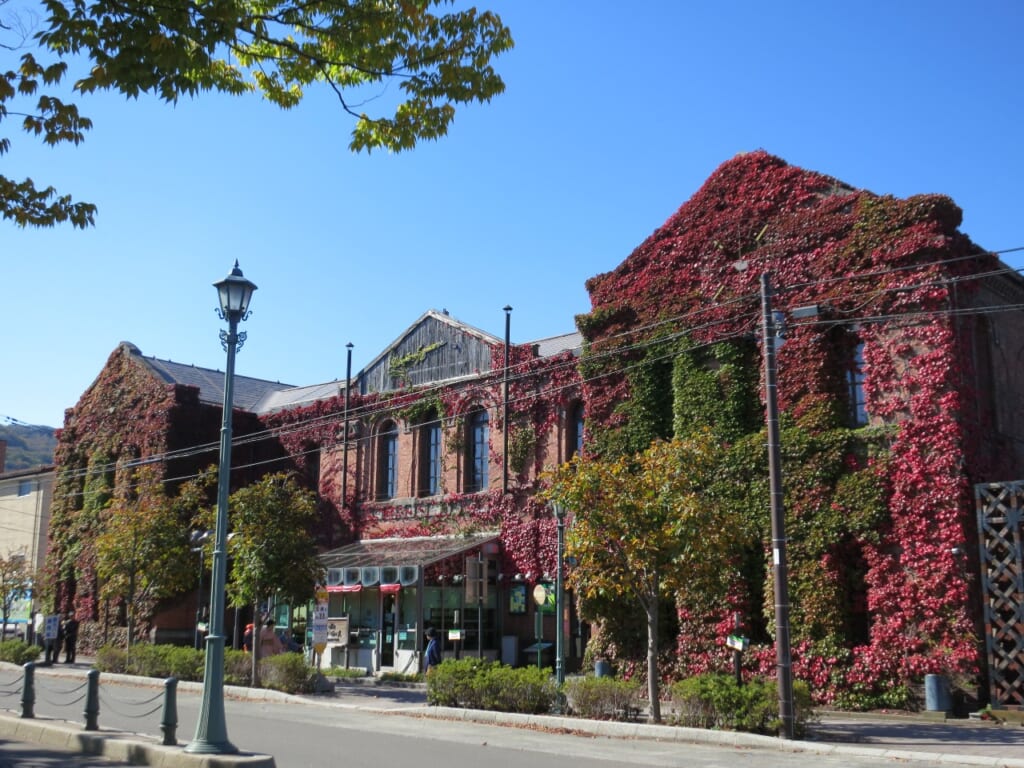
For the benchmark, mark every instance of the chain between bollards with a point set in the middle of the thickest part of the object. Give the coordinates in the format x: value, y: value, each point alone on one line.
x: 28, y: 691
x: 169, y: 719
x: 92, y: 701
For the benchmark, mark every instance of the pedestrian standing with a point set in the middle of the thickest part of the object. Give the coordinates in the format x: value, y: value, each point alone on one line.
x: 433, y: 654
x: 270, y: 643
x: 70, y: 638
x: 53, y: 645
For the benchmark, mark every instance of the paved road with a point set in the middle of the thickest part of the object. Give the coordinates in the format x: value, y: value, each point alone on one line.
x: 343, y: 730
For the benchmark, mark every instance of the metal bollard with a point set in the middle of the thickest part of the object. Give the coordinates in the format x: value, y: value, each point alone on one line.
x: 92, y: 701
x: 28, y: 691
x: 169, y: 719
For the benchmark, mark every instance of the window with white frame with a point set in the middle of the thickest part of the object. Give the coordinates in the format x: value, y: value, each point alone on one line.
x: 478, y: 451
x: 387, y: 461
x: 429, y: 447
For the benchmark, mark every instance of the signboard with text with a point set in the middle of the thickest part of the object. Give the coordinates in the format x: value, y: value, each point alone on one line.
x: 320, y: 620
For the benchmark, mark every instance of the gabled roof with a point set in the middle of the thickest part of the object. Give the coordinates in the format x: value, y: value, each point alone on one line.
x: 442, y: 317
x: 209, y: 382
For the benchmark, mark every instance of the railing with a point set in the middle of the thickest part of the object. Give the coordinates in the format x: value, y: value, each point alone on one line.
x: 90, y: 692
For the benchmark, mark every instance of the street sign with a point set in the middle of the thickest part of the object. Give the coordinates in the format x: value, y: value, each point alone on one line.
x: 540, y: 594
x: 320, y: 620
x: 737, y: 643
x: 51, y: 627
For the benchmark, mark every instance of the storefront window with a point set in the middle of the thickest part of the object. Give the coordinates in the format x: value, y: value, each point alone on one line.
x: 407, y: 619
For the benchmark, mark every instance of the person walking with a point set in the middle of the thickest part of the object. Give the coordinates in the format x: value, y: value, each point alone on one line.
x: 433, y: 653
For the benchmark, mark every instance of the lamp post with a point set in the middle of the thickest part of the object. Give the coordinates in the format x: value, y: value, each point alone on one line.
x: 235, y: 292
x: 348, y: 391
x: 197, y: 540
x: 506, y: 427
x: 560, y: 598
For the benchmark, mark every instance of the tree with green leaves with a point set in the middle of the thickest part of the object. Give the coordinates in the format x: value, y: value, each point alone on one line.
x: 438, y: 57
x: 643, y: 529
x: 272, y: 551
x: 142, y: 554
x: 15, y: 583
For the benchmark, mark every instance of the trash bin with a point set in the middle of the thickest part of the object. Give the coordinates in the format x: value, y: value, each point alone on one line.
x: 602, y: 668
x: 937, y: 697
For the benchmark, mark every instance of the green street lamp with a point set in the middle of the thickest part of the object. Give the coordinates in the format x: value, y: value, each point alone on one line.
x: 211, y: 737
x: 560, y: 598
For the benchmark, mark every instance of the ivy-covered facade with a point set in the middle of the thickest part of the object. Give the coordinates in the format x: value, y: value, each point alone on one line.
x: 413, y: 451
x: 897, y: 382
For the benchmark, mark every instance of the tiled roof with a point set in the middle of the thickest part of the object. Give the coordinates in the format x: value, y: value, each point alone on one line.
x: 260, y: 396
x: 248, y: 391
x: 296, y: 397
x: 555, y: 344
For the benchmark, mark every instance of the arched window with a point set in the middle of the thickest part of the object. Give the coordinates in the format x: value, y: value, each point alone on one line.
x: 574, y: 430
x: 387, y: 460
x: 477, y: 451
x: 429, y: 455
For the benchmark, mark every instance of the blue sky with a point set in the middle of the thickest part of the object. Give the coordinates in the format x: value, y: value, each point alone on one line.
x: 614, y: 115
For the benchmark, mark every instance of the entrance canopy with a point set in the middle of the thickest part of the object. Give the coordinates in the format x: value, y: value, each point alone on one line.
x: 386, y: 562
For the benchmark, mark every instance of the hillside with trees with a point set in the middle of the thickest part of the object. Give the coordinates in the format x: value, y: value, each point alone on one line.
x: 28, y: 445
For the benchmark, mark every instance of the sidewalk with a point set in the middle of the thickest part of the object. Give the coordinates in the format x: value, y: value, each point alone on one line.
x: 896, y: 736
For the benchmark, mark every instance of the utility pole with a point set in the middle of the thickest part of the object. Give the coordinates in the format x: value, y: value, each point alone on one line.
x: 505, y: 426
x: 344, y: 460
x: 784, y: 670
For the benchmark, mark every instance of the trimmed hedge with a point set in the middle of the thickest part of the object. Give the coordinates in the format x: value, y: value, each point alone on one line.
x: 286, y: 672
x: 716, y: 701
x: 478, y: 684
x: 17, y: 652
x: 602, y: 698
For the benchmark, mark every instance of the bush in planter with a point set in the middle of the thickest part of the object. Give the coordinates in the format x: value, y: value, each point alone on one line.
x: 716, y: 701
x: 601, y: 698
x: 17, y: 652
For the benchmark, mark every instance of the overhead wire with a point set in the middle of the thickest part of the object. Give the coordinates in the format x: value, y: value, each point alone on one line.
x: 371, y: 410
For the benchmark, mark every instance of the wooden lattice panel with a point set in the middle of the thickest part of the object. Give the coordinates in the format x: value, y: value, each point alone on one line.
x: 1000, y: 517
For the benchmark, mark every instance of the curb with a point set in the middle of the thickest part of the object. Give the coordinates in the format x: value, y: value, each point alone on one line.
x: 667, y: 733
x: 122, y: 747
x: 125, y: 747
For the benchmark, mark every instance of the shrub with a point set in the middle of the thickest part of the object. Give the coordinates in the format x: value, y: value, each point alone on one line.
x: 350, y: 672
x: 113, y: 659
x: 237, y: 667
x: 452, y: 683
x: 478, y: 684
x: 526, y: 689
x: 716, y: 701
x: 601, y: 698
x: 17, y: 652
x: 399, y: 677
x: 287, y: 672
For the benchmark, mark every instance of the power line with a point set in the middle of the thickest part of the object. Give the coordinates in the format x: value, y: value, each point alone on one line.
x: 389, y: 403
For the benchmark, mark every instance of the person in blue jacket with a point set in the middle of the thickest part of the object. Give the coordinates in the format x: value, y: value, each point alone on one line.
x: 433, y: 654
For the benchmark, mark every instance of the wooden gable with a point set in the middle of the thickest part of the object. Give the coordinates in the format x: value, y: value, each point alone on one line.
x: 435, y: 348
